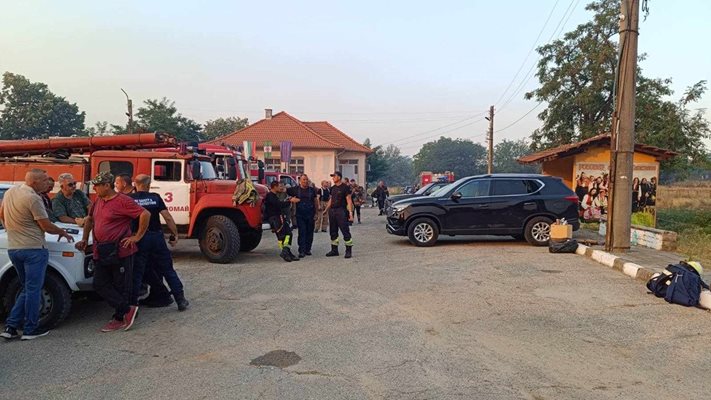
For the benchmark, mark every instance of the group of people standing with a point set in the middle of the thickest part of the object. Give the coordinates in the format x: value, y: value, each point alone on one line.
x: 593, y: 195
x: 336, y: 205
x: 129, y: 248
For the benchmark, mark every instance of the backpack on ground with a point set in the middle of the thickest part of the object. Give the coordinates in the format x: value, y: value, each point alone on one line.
x: 658, y: 284
x: 685, y: 285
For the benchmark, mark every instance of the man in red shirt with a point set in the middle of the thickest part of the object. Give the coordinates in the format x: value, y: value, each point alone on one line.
x: 110, y: 219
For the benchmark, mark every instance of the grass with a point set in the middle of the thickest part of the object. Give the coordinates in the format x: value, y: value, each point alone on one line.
x: 694, y: 229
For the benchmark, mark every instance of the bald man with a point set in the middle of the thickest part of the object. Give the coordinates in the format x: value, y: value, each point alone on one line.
x: 154, y: 258
x: 24, y: 216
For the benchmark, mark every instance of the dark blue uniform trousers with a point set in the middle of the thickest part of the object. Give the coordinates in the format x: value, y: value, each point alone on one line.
x: 306, y: 224
x: 153, y: 263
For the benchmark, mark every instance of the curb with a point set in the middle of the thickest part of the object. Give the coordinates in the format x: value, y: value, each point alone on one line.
x: 631, y: 269
x: 627, y: 267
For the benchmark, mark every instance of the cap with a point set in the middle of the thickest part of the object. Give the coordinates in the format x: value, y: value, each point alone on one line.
x: 102, y: 177
x: 697, y: 266
x: 337, y: 173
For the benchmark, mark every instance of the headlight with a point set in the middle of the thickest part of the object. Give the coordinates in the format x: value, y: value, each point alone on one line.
x: 397, y: 209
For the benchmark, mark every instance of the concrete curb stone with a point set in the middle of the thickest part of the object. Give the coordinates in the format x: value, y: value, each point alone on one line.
x: 631, y: 269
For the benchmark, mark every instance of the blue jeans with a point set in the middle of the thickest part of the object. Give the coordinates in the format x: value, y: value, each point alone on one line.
x: 31, y: 265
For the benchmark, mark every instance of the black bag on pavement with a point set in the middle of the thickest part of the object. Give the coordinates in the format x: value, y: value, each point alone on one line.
x: 567, y: 246
x: 685, y: 286
x: 658, y: 284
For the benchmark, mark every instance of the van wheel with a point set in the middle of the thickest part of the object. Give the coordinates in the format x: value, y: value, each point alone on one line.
x: 56, y: 299
x: 250, y: 240
x: 219, y: 240
x: 538, y: 231
x: 423, y: 232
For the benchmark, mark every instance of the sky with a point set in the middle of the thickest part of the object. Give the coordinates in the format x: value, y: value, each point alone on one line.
x: 397, y: 72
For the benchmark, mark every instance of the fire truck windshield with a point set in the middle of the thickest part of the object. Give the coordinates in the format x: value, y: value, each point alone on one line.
x: 207, y: 170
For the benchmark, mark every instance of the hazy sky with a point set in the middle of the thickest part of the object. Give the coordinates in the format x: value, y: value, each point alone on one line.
x: 397, y: 72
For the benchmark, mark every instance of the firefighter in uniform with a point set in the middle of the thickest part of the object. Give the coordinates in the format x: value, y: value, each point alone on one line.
x: 340, y: 213
x: 274, y: 214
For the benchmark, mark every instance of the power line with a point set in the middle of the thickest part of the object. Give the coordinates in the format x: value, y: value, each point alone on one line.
x: 535, y: 42
x: 522, y: 117
x: 441, y: 133
x: 435, y: 129
x: 556, y: 33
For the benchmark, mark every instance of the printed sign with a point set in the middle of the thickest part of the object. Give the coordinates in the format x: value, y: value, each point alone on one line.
x: 592, y: 184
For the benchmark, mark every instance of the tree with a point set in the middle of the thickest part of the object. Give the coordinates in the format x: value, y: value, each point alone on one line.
x: 463, y: 157
x: 222, y: 126
x: 101, y: 128
x: 30, y: 111
x: 577, y: 77
x: 506, y: 154
x: 162, y: 116
x: 399, y: 171
x: 376, y: 165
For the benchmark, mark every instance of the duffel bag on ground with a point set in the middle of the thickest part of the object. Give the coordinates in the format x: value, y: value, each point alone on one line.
x: 567, y: 246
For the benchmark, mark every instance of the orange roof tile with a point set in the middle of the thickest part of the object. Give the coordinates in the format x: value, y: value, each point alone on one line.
x: 330, y: 132
x: 303, y: 135
x: 579, y: 147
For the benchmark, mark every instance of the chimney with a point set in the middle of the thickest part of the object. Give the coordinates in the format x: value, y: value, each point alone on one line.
x: 268, y: 113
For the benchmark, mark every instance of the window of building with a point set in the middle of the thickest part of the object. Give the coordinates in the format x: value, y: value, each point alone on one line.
x: 296, y: 166
x: 272, y: 164
x: 117, y: 168
x: 167, y: 171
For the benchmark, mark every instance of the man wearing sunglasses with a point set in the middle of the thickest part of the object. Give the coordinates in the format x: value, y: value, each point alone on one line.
x: 70, y: 205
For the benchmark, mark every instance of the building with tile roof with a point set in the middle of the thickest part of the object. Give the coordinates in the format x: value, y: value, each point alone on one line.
x: 318, y: 148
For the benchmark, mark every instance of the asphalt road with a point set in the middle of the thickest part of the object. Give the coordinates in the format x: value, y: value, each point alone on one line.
x: 471, y: 318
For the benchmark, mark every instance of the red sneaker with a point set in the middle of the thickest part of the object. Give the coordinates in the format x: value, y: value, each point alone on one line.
x: 129, y: 318
x: 113, y: 325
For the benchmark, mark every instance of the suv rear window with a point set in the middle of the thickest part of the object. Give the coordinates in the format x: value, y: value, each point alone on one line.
x: 512, y: 187
x: 555, y: 186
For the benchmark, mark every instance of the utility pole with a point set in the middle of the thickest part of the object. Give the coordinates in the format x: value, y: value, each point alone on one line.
x: 490, y: 139
x: 622, y: 132
x: 129, y: 114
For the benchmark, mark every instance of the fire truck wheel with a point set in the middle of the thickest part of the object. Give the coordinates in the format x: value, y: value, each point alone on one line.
x: 250, y: 240
x: 219, y: 240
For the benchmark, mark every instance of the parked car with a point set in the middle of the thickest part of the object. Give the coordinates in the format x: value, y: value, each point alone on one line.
x: 68, y: 271
x: 426, y: 190
x: 518, y: 205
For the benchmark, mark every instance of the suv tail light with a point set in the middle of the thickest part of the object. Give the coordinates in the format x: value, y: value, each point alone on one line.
x: 573, y: 199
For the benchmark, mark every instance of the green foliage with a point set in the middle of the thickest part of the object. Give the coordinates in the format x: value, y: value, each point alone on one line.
x: 577, y: 75
x: 643, y: 219
x: 507, y: 152
x: 389, y: 165
x: 223, y: 126
x: 162, y: 116
x: 101, y: 128
x: 694, y: 229
x: 30, y: 111
x: 463, y: 157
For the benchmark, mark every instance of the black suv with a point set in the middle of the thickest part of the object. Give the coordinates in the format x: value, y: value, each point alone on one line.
x: 518, y: 205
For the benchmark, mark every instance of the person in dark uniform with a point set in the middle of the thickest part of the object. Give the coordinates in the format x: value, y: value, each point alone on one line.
x: 274, y: 214
x: 340, y: 213
x: 305, y: 213
x: 381, y: 193
x: 154, y: 262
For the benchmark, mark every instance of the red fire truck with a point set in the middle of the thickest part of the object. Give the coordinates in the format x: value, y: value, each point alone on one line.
x: 200, y: 203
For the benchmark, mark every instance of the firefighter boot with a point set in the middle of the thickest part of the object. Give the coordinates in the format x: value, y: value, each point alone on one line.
x: 181, y: 301
x: 333, y: 252
x: 349, y: 253
x: 293, y: 257
x: 285, y: 254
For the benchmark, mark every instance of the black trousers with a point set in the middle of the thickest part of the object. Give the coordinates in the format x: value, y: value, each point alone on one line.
x: 357, y: 212
x: 306, y: 224
x: 152, y: 264
x: 282, y: 230
x: 338, y: 218
x: 113, y: 283
x: 381, y: 204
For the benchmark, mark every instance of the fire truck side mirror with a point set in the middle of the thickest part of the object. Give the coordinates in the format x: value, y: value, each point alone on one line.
x: 196, y: 170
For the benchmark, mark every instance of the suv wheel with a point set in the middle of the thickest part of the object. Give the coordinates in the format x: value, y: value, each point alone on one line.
x: 56, y: 299
x: 538, y: 231
x: 423, y: 232
x: 219, y: 240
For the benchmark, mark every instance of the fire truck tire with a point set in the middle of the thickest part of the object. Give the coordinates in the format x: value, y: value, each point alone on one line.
x: 219, y: 240
x: 250, y: 240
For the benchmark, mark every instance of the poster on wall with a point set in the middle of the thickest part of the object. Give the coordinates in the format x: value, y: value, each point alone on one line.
x: 592, y: 184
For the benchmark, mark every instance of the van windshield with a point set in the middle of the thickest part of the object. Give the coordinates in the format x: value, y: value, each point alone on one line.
x: 207, y: 170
